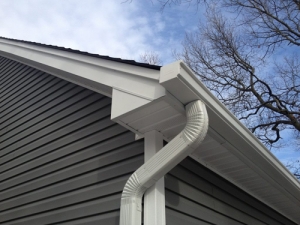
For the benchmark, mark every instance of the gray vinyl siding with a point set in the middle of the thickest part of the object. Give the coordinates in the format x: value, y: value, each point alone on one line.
x: 196, y: 195
x: 62, y: 160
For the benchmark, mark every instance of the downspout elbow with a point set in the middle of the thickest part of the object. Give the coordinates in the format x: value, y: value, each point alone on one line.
x: 162, y: 162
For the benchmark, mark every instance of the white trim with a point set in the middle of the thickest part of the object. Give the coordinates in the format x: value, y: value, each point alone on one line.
x: 154, y: 198
x: 93, y: 73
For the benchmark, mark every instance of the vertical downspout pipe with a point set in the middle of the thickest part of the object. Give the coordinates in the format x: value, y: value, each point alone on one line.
x: 162, y: 162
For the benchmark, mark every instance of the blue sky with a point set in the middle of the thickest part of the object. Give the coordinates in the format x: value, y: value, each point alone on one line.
x: 117, y: 28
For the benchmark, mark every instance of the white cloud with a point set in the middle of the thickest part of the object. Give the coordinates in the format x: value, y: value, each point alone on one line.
x: 116, y: 28
x: 103, y: 27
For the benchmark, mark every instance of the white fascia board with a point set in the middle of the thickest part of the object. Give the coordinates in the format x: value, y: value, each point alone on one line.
x: 237, y: 137
x: 93, y: 73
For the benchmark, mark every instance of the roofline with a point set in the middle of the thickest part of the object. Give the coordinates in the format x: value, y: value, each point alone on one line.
x: 129, y: 62
x: 243, y: 131
x: 96, y: 73
x: 199, y: 90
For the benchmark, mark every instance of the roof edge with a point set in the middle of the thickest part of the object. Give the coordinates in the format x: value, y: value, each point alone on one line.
x: 129, y: 62
x: 98, y: 74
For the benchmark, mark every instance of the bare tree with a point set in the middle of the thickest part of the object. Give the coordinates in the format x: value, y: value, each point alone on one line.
x: 170, y: 3
x: 294, y: 167
x: 150, y: 58
x: 238, y: 59
x: 270, y: 23
x: 165, y: 3
x: 247, y: 54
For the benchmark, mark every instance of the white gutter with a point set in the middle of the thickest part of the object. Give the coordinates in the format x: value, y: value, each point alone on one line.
x: 240, y: 142
x: 162, y: 162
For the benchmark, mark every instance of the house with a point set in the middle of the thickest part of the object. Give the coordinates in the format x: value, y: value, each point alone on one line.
x: 74, y: 128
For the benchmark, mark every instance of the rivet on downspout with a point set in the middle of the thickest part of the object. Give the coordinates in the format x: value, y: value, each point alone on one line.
x: 162, y: 162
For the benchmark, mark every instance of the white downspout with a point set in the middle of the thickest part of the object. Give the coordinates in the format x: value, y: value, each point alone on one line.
x: 162, y: 162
